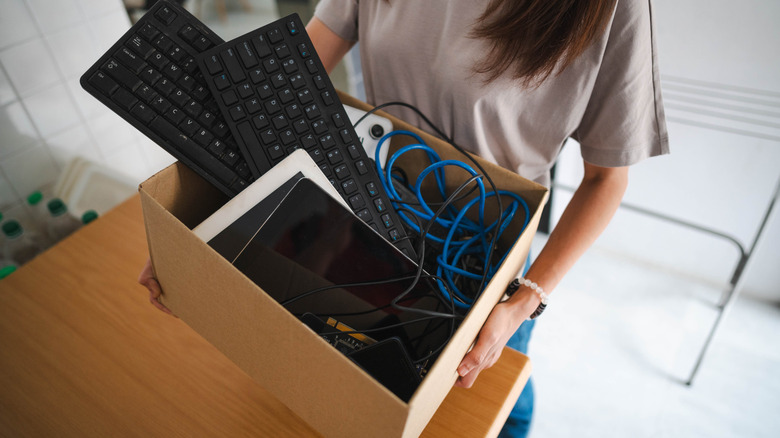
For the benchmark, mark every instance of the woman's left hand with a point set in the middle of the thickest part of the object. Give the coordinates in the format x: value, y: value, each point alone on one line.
x: 502, y: 323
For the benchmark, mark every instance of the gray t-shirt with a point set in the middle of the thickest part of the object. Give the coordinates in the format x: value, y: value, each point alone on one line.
x: 420, y: 52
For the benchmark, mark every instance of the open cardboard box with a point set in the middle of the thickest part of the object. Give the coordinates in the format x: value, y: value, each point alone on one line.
x: 317, y: 382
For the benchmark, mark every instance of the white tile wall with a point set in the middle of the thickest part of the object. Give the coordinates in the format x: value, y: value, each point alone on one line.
x: 46, y: 118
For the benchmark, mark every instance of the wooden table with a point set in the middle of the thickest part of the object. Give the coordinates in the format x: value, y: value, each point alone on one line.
x: 83, y: 353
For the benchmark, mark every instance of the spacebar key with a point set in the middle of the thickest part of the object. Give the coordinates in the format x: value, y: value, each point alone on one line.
x: 252, y: 145
x: 193, y: 151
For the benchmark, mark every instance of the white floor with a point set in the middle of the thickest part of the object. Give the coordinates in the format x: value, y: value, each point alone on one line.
x: 612, y: 352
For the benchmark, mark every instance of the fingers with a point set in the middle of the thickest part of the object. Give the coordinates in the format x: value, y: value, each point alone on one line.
x: 482, y: 356
x: 146, y: 279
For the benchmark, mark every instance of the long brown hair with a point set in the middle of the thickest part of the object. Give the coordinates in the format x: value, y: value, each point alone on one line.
x: 530, y: 38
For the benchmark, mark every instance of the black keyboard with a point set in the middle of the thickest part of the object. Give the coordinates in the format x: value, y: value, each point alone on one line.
x: 150, y: 77
x: 277, y: 97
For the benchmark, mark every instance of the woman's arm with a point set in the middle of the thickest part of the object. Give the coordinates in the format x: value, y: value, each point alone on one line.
x: 330, y: 47
x: 584, y: 219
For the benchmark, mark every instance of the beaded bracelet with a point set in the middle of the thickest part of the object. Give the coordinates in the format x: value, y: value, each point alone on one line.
x: 515, y: 284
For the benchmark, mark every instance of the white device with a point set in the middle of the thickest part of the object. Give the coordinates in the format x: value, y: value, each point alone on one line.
x: 369, y: 131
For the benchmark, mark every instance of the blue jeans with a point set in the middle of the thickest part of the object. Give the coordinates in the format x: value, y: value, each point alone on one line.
x: 519, y: 421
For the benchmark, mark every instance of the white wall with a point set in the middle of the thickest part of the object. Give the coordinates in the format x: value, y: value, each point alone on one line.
x: 721, y: 83
x: 46, y: 119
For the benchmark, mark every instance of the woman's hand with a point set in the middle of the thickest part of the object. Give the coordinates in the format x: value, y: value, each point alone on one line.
x: 146, y: 279
x: 502, y: 323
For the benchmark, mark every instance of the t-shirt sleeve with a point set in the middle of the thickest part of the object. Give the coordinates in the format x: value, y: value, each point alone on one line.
x: 340, y: 16
x: 624, y: 120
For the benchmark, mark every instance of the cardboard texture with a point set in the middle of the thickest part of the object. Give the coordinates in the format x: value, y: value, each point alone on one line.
x: 317, y: 382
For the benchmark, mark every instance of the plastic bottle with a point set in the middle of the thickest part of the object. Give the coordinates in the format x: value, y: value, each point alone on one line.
x: 88, y: 216
x: 6, y: 269
x: 61, y: 223
x: 40, y: 217
x: 19, y: 247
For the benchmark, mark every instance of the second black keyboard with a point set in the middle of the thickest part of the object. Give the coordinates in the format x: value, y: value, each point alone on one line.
x: 151, y: 79
x: 277, y: 97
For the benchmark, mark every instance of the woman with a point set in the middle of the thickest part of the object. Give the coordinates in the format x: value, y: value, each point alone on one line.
x: 512, y: 80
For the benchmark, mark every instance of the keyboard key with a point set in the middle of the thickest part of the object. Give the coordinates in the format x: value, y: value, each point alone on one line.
x: 349, y: 186
x: 245, y: 90
x: 122, y: 74
x: 179, y: 97
x: 393, y: 234
x: 287, y: 137
x: 237, y: 113
x: 387, y: 221
x: 148, y: 32
x: 203, y: 137
x: 273, y: 106
x: 124, y: 98
x: 270, y: 65
x: 292, y: 28
x: 165, y: 86
x: 318, y: 156
x: 173, y: 71
x: 297, y: 81
x: 231, y: 157
x: 300, y: 126
x: 201, y: 43
x: 174, y: 115
x: 353, y: 151
x: 176, y: 53
x: 206, y: 118
x: 143, y: 112
x: 357, y: 202
x: 372, y: 190
x: 278, y: 80
x: 158, y: 60
x: 229, y: 97
x: 130, y: 60
x: 303, y: 50
x: 279, y: 122
x: 361, y: 167
x: 289, y: 66
x: 150, y: 76
x: 189, y: 126
x: 319, y: 126
x: 253, y: 106
x: 274, y: 36
x: 334, y: 157
x: 261, y: 46
x: 140, y: 46
x: 268, y: 136
x: 265, y: 91
x: 166, y: 15
x: 293, y: 112
x: 189, y: 33
x: 213, y: 65
x: 275, y: 152
x: 341, y: 171
x: 286, y: 96
x: 304, y: 96
x: 231, y: 65
x: 338, y: 121
x: 327, y: 141
x: 319, y: 82
x: 364, y: 215
x: 312, y: 111
x: 193, y: 108
x: 260, y: 121
x: 311, y: 66
x: 379, y: 205
x: 102, y: 82
x: 327, y: 98
x: 345, y: 136
x: 145, y: 93
x: 282, y: 51
x: 163, y: 43
x: 222, y: 82
x: 247, y: 54
x: 256, y: 76
x: 216, y: 147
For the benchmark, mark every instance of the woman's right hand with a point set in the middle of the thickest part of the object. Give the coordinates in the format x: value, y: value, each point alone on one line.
x: 146, y: 278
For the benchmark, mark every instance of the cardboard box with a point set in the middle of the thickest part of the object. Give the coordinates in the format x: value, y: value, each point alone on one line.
x: 321, y: 385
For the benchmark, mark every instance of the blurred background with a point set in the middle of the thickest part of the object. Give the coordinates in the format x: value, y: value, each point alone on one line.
x: 614, y: 350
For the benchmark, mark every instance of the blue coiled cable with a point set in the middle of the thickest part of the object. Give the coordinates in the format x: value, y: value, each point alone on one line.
x: 464, y: 236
